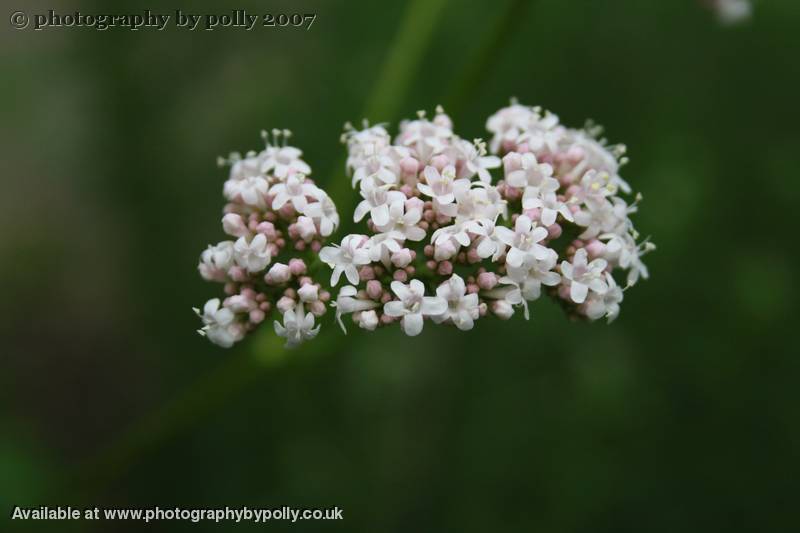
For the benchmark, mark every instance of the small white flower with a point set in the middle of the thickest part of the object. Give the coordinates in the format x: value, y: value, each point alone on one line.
x: 533, y: 273
x: 294, y: 190
x: 347, y: 257
x: 219, y: 327
x: 368, y: 320
x: 424, y: 137
x: 402, y: 223
x: 308, y: 293
x: 443, y: 187
x: 283, y: 161
x: 472, y: 159
x: 604, y: 305
x: 348, y: 302
x: 306, y: 228
x: 530, y: 173
x: 377, y: 199
x: 584, y: 276
x: 380, y: 165
x: 253, y: 256
x: 233, y: 225
x: 297, y: 326
x: 509, y: 123
x: 216, y: 260
x: 523, y: 241
x: 413, y: 305
x: 323, y: 212
x: 550, y: 205
x: 462, y: 308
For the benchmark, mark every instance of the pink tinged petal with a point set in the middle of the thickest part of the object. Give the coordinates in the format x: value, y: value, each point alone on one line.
x: 394, y: 308
x: 431, y: 175
x: 299, y: 203
x: 598, y: 265
x: 416, y: 287
x: 523, y: 224
x: 336, y: 274
x: 280, y: 200
x: 462, y: 238
x: 352, y: 274
x: 566, y: 269
x: 505, y: 235
x: 566, y: 213
x: 326, y: 227
x: 415, y: 233
x: 380, y: 215
x: 550, y: 279
x: 548, y: 217
x: 599, y: 286
x: 412, y: 324
x: 539, y: 234
x: 531, y: 203
x: 445, y: 199
x: 433, y: 305
x: 362, y: 209
x: 425, y: 189
x: 540, y: 252
x: 515, y: 257
x: 578, y: 292
x: 401, y: 290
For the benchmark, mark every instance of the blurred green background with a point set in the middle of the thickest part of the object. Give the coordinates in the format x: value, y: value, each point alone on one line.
x: 684, y: 415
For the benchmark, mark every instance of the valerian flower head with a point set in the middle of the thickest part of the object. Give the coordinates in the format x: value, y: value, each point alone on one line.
x: 450, y: 232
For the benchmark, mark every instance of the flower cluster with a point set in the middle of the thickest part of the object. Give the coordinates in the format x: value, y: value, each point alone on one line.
x: 277, y: 219
x: 445, y: 243
x: 443, y: 240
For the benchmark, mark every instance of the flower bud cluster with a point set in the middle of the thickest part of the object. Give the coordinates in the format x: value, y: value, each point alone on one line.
x: 277, y: 220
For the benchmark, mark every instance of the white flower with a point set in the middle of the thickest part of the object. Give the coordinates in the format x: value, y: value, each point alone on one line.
x: 347, y: 257
x: 623, y: 250
x: 323, y: 212
x: 604, y: 217
x: 604, y: 305
x: 526, y: 171
x: 402, y: 222
x: 443, y: 187
x: 584, y: 277
x: 348, y: 302
x: 462, y: 308
x: 294, y: 190
x: 376, y: 202
x: 594, y: 154
x: 509, y: 123
x: 471, y: 159
x: 413, y: 305
x: 219, y: 327
x: 523, y: 241
x: 297, y: 327
x: 308, y: 293
x: 368, y: 320
x: 283, y: 161
x: 424, y: 137
x: 533, y: 273
x: 381, y: 165
x: 233, y: 225
x: 362, y: 144
x: 550, y: 205
x: 254, y: 255
x: 216, y: 260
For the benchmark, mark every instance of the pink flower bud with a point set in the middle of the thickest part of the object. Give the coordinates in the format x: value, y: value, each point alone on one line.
x: 487, y: 280
x: 511, y: 162
x: 554, y: 231
x: 374, y: 289
x: 472, y: 256
x: 445, y: 268
x: 232, y: 224
x: 297, y: 266
x: 237, y: 273
x: 316, y: 308
x: 284, y: 304
x: 409, y: 165
x: 257, y: 316
x: 277, y: 274
x: 595, y: 248
x: 268, y: 229
x: 502, y: 309
x: 287, y: 211
x: 401, y: 258
x: 440, y: 161
x: 308, y: 293
x: 400, y: 275
x: 306, y: 228
x: 368, y: 320
x: 366, y: 273
x: 316, y: 246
